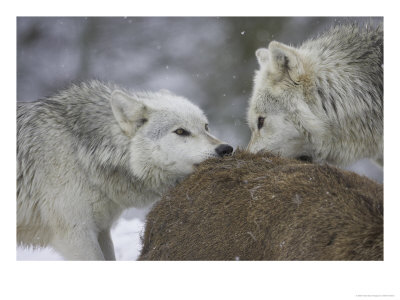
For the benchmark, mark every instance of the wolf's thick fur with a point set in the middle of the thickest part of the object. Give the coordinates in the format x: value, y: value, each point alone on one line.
x: 323, y: 100
x: 92, y: 150
x: 264, y: 207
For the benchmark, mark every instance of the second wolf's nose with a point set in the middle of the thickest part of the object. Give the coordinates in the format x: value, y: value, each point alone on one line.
x: 224, y: 149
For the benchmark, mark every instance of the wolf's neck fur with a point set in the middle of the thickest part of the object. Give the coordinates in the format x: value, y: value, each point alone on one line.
x: 344, y: 84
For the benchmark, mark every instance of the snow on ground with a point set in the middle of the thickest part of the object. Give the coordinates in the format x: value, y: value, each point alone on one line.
x: 127, y: 238
x: 37, y: 254
x: 127, y: 231
x: 368, y: 168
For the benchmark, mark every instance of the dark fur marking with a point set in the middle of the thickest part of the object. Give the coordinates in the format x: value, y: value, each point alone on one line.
x: 332, y: 239
x: 333, y: 103
x: 323, y: 99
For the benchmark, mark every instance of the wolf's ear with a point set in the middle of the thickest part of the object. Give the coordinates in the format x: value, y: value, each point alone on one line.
x: 129, y: 112
x: 262, y: 56
x: 286, y: 60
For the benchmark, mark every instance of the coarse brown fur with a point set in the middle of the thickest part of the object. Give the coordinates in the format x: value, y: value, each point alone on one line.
x: 264, y: 207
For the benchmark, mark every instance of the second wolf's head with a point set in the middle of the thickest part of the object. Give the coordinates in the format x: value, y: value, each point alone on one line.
x: 323, y: 100
x: 277, y: 100
x: 168, y: 135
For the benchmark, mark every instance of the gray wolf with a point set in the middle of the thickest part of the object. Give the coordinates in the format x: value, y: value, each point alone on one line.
x: 265, y: 207
x: 322, y: 101
x: 91, y: 151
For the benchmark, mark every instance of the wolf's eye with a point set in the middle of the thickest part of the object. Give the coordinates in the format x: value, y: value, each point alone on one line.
x: 206, y: 127
x: 182, y: 132
x: 260, y: 122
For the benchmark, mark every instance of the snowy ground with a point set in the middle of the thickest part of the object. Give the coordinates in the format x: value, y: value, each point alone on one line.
x: 127, y: 231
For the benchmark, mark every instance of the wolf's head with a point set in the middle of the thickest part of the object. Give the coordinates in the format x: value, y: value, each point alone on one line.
x: 279, y: 116
x: 168, y: 135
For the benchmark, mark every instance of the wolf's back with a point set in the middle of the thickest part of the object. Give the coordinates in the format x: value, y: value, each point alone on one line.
x: 355, y: 52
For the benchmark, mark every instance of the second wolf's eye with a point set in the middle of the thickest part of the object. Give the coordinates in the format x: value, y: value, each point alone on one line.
x: 182, y: 132
x: 260, y: 122
x: 206, y: 127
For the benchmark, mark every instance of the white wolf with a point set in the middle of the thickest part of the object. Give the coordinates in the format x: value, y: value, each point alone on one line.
x: 93, y: 150
x: 322, y: 101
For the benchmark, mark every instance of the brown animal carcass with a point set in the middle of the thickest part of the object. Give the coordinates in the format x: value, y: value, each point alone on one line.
x: 264, y: 207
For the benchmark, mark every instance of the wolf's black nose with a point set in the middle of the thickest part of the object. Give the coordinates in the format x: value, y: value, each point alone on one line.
x: 223, y: 149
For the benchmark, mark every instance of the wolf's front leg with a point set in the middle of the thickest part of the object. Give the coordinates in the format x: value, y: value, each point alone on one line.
x: 106, y: 245
x: 78, y: 245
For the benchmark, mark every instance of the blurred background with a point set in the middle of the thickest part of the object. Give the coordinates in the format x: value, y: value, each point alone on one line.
x: 209, y: 60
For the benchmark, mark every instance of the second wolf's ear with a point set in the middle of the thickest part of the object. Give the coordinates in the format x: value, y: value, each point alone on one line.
x: 129, y: 112
x: 286, y: 60
x: 262, y: 56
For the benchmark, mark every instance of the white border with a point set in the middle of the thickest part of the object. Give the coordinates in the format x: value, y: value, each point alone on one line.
x: 198, y: 280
